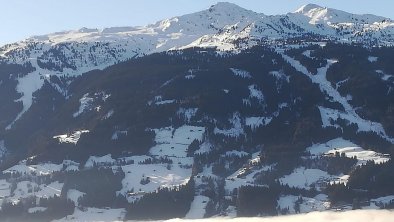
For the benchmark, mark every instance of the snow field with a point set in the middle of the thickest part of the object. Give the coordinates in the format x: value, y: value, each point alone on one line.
x: 306, y: 178
x: 74, y: 195
x: 71, y: 138
x: 40, y: 169
x: 349, y: 149
x: 26, y: 189
x: 236, y: 130
x: 197, y: 207
x: 256, y: 122
x: 372, y: 59
x: 174, y: 142
x: 243, y: 177
x: 118, y: 133
x: 362, y: 155
x: 158, y: 175
x: 246, y: 175
x: 318, y: 203
x: 205, y: 147
x: 383, y: 75
x: 104, y: 160
x: 95, y: 214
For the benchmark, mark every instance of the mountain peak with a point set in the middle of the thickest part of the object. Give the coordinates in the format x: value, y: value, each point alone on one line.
x: 224, y: 5
x: 307, y: 8
x: 87, y: 30
x: 320, y: 14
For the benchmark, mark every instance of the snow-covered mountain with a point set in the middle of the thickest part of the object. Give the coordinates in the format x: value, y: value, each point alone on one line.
x: 224, y: 25
x: 309, y: 20
x: 220, y: 112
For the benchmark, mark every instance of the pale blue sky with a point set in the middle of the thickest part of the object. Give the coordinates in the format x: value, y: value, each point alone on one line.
x: 20, y: 19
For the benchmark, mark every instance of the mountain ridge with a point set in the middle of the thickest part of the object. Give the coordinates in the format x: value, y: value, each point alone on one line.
x: 311, y: 9
x: 225, y: 7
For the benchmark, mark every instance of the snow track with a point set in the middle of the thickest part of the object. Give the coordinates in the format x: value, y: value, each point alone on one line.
x: 330, y: 114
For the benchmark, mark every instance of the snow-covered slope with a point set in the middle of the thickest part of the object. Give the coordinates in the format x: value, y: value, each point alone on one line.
x: 319, y: 14
x: 345, y: 26
x: 71, y: 53
x: 308, y: 21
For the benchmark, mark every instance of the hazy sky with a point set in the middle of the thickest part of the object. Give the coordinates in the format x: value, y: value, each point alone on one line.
x: 20, y: 19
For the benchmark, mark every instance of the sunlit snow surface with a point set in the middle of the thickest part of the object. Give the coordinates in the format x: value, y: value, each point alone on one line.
x: 349, y: 149
x: 315, y: 178
x: 71, y: 137
x: 159, y: 177
x: 305, y: 178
